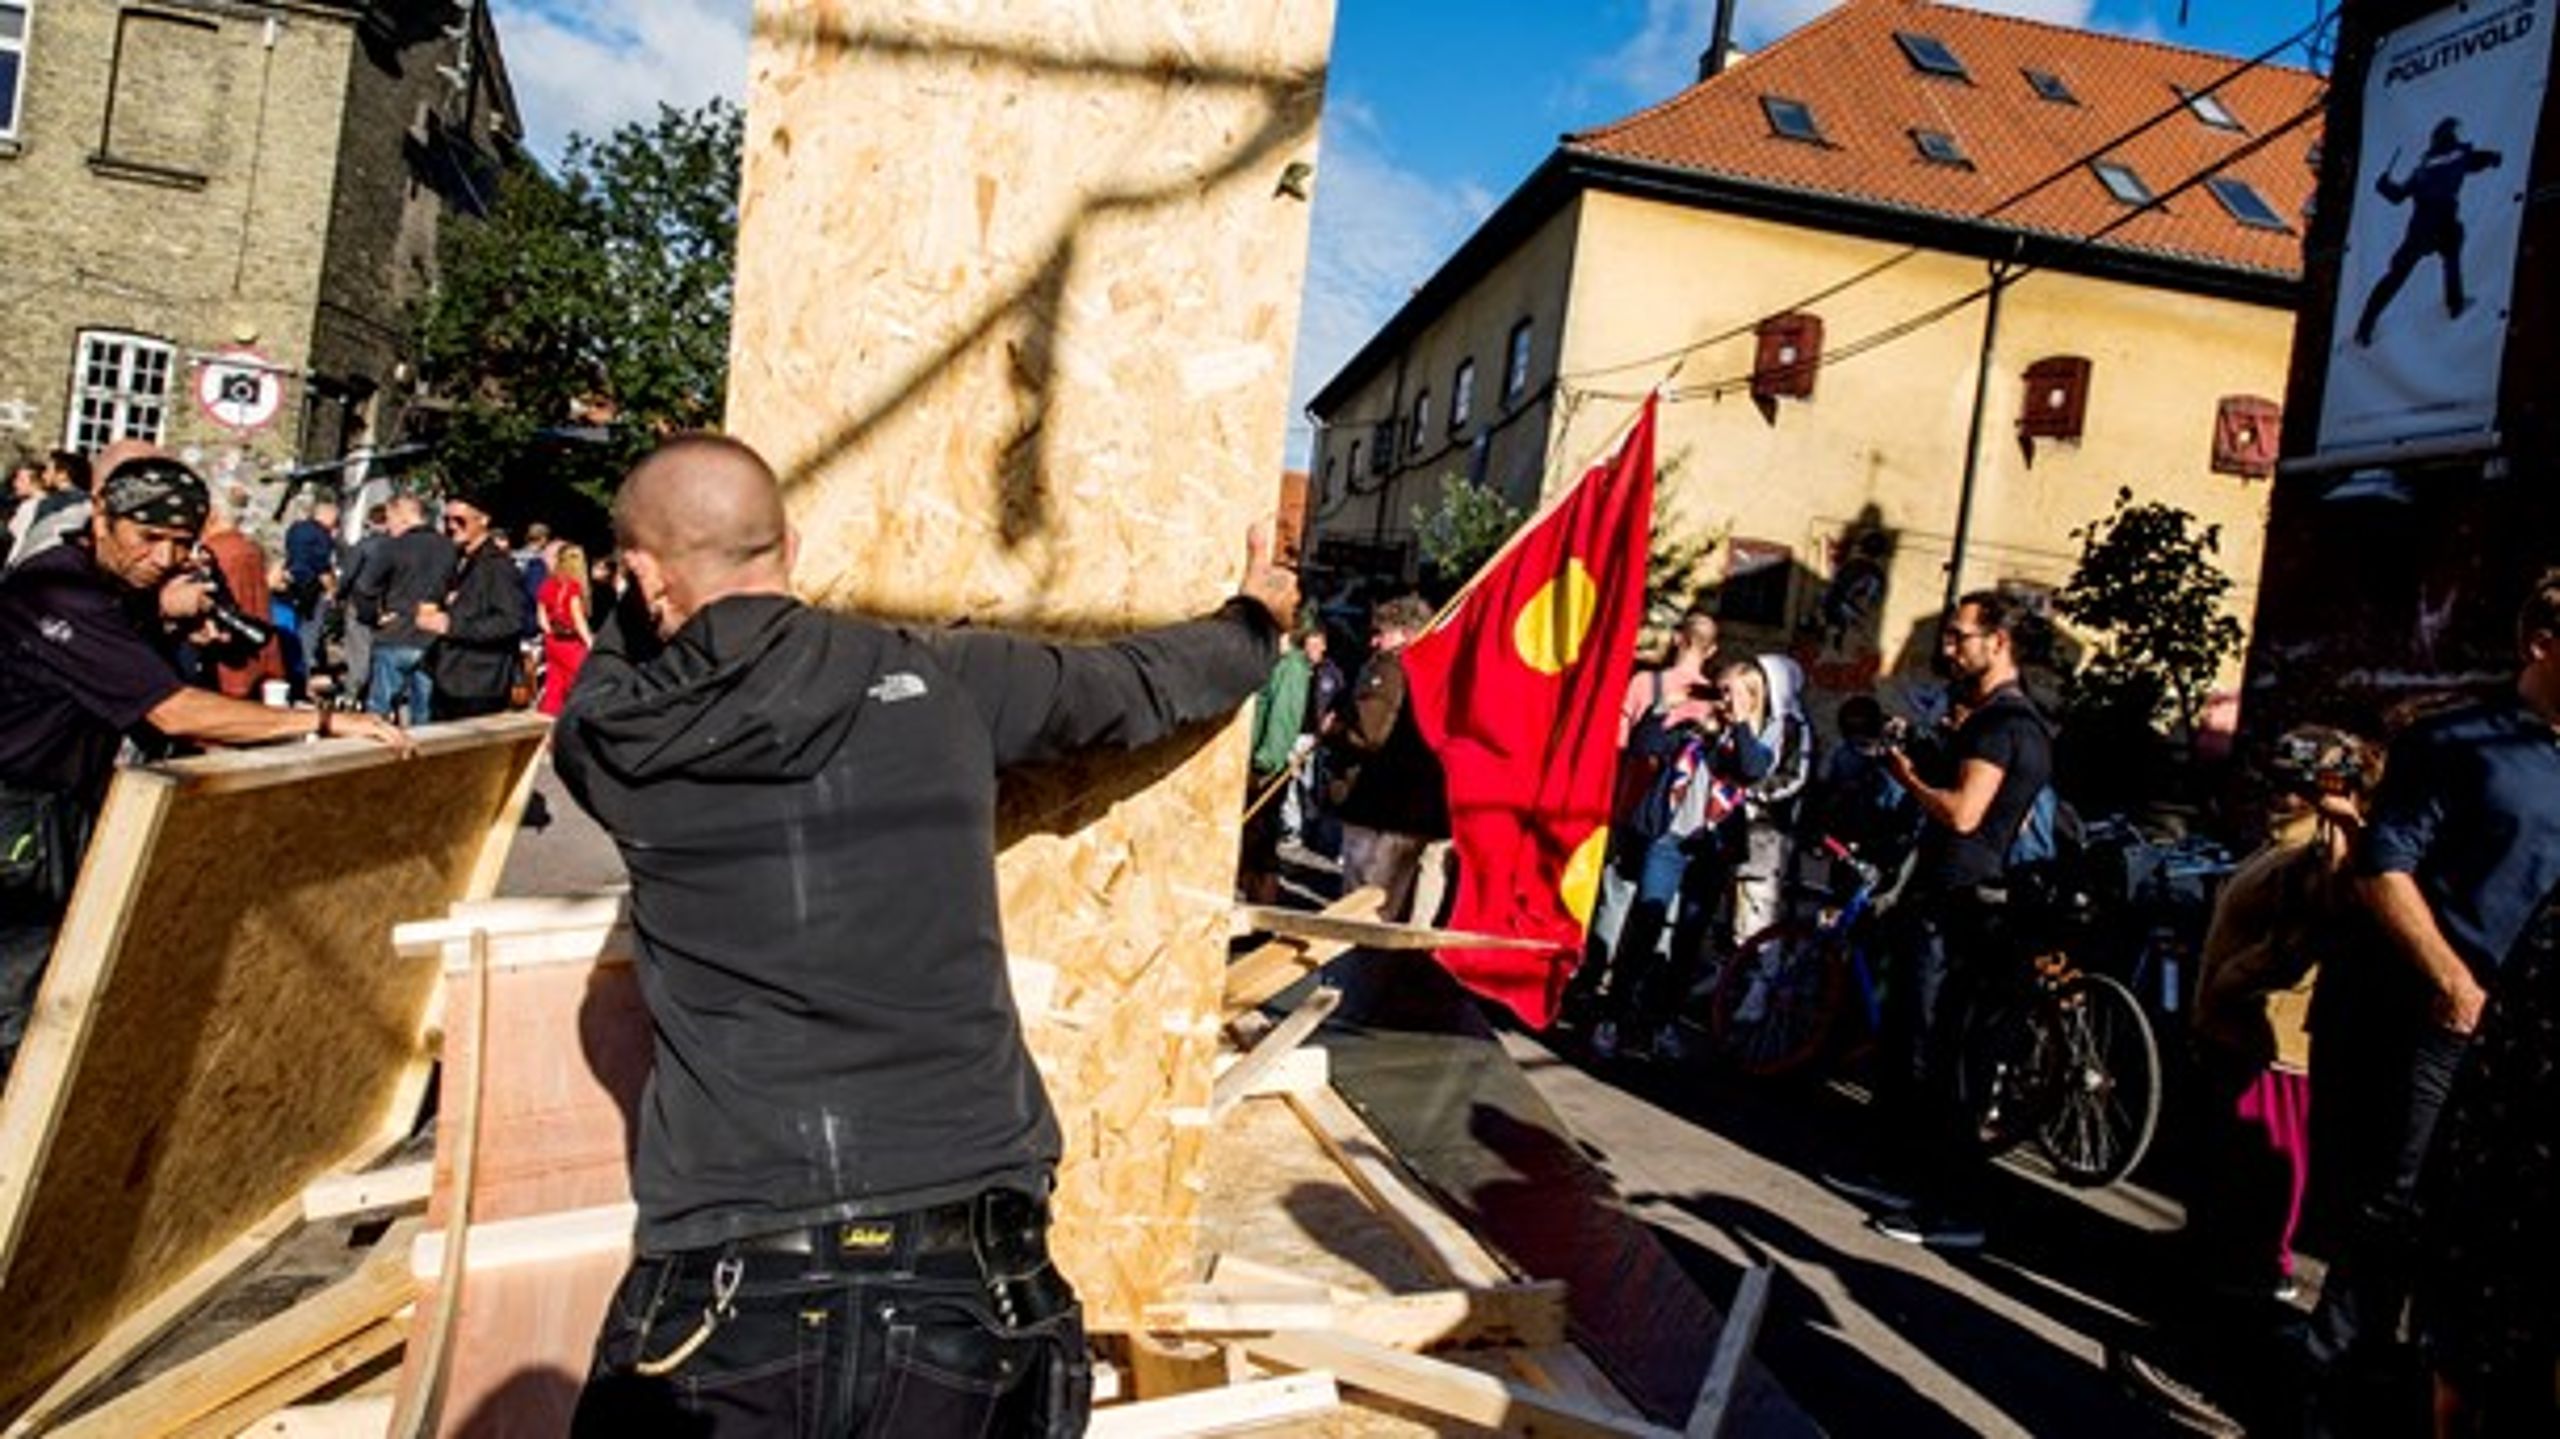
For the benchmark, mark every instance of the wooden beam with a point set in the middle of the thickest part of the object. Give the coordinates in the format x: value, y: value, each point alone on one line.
x: 1530, y: 1313
x: 1300, y: 1070
x: 1443, y: 1388
x: 339, y: 1195
x: 421, y: 1401
x: 365, y: 1417
x: 378, y: 1289
x: 321, y: 1370
x: 1440, y: 1242
x: 1258, y: 977
x: 534, y: 1239
x: 1230, y: 1088
x: 1733, y: 1350
x: 1371, y: 933
x: 1231, y: 1410
x: 1242, y: 1309
x: 1563, y: 1369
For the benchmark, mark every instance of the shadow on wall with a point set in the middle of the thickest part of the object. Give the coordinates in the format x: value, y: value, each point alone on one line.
x: 1025, y: 319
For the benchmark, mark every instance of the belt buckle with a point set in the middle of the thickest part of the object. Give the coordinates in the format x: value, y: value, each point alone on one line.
x: 865, y: 1238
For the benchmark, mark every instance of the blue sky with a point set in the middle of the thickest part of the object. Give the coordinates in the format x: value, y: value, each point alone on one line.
x: 1434, y: 108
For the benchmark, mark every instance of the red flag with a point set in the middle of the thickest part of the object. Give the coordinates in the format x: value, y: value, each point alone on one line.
x: 1517, y: 689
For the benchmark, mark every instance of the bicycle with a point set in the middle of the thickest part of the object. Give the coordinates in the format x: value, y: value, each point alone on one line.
x: 1777, y: 1001
x: 2067, y: 1059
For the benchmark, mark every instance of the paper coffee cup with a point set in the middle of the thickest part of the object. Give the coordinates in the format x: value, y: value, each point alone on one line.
x: 275, y: 692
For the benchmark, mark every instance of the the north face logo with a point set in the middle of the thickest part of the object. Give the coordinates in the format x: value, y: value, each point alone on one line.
x: 896, y: 687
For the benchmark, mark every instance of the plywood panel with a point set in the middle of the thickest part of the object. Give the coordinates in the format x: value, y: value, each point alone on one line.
x: 1017, y: 286
x: 224, y: 1019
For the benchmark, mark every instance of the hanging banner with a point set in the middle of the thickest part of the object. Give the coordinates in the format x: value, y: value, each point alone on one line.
x: 2450, y: 110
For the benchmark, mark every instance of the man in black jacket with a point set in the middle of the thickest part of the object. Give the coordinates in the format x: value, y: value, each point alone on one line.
x: 844, y: 1151
x: 479, y: 629
x: 410, y: 572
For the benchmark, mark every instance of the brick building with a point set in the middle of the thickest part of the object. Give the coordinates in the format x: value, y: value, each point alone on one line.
x: 214, y: 215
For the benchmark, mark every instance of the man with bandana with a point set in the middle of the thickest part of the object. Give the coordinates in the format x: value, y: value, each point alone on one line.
x: 86, y: 630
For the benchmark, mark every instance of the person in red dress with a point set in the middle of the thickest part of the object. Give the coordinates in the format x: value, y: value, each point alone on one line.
x: 565, y: 630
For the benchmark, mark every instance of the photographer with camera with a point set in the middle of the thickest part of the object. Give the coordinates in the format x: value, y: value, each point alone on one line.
x: 88, y: 630
x: 238, y: 650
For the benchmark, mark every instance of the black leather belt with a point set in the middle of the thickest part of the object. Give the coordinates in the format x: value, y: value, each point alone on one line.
x: 917, y: 1233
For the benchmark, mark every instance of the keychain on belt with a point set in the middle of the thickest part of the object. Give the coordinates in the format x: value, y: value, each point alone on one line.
x: 724, y: 1293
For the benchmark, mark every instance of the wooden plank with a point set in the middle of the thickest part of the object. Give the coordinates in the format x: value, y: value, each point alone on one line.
x: 533, y: 1239
x: 366, y: 1346
x: 971, y: 236
x: 248, y: 1360
x: 1529, y: 1313
x: 1230, y: 1088
x: 145, y: 1326
x: 1234, y: 1308
x: 1259, y: 977
x: 1300, y: 1070
x: 1369, y: 933
x: 1435, y: 1238
x: 338, y: 1195
x: 1443, y: 1388
x: 1733, y: 1350
x: 422, y: 1396
x: 1561, y: 1368
x: 1235, y: 1409
x: 368, y: 1417
x: 161, y: 1110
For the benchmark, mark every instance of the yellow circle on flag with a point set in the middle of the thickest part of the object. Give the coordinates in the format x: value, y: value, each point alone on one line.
x: 1580, y: 886
x: 1550, y: 629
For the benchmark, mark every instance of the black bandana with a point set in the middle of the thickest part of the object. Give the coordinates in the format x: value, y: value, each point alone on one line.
x: 156, y: 492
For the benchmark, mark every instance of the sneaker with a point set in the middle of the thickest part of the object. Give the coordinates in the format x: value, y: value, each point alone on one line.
x: 1866, y: 1189
x: 2179, y: 1400
x: 1669, y: 1045
x: 1936, y: 1231
x: 1604, y: 1039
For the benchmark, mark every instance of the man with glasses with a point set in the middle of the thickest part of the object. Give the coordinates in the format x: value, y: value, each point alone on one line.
x: 479, y: 626
x: 410, y: 571
x: 86, y: 630
x: 1973, y: 793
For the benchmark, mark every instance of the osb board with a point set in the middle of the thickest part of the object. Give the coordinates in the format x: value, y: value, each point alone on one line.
x: 1017, y: 286
x: 224, y: 1018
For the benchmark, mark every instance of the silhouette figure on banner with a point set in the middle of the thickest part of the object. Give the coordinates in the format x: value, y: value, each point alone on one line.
x: 2433, y: 193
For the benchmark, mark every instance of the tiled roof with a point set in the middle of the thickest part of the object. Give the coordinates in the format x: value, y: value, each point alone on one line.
x: 1868, y: 97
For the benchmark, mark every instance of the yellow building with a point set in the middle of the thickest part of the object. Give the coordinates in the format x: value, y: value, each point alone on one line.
x: 1801, y: 250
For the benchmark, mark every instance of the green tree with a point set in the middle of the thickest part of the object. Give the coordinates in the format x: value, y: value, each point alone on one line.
x: 597, y: 296
x: 1463, y: 529
x: 2150, y: 588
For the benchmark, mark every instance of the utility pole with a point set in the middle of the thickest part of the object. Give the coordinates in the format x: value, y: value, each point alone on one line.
x: 2001, y: 270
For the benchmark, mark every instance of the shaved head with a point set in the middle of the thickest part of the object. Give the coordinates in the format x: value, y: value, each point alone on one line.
x: 698, y: 520
x: 703, y: 504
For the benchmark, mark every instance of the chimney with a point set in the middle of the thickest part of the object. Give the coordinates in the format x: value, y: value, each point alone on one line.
x: 1711, y: 63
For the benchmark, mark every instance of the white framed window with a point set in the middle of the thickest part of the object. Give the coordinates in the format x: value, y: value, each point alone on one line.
x: 119, y: 390
x: 1462, y: 395
x: 13, y: 64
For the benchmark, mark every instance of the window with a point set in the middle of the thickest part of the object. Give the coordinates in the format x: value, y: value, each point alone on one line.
x: 119, y: 390
x: 2049, y: 86
x: 168, y: 98
x: 1462, y: 395
x: 1788, y: 357
x: 1940, y: 148
x: 13, y: 62
x: 2121, y: 182
x: 1421, y: 421
x: 1515, y: 363
x: 2248, y: 431
x: 2245, y: 203
x: 1930, y: 55
x: 2057, y: 399
x: 1791, y: 119
x: 1329, y: 462
x: 2210, y: 109
x: 1756, y: 577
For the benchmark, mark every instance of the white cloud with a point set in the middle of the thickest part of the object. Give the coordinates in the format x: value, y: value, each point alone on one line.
x: 1379, y: 230
x: 1662, y: 56
x: 590, y: 66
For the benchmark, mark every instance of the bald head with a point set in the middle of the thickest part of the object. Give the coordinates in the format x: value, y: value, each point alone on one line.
x: 699, y: 519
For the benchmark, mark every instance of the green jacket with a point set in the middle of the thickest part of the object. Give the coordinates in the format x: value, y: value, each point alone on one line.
x: 1280, y: 712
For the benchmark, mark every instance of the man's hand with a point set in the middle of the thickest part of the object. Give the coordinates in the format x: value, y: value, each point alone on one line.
x: 433, y: 619
x: 185, y: 596
x: 2458, y: 1006
x: 360, y: 725
x: 1266, y: 584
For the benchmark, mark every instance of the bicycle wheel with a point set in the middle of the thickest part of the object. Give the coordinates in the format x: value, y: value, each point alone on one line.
x: 1773, y: 1007
x: 2106, y: 1082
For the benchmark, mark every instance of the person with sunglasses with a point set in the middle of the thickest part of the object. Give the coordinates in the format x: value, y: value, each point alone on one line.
x: 87, y: 630
x: 478, y: 627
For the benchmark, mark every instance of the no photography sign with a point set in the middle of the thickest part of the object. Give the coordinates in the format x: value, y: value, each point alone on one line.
x: 240, y: 389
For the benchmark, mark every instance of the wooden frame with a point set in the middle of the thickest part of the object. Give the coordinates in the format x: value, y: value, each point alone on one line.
x: 223, y: 1020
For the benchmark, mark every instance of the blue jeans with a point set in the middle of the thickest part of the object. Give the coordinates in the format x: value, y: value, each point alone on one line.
x: 1677, y: 882
x: 822, y: 1344
x: 399, y: 674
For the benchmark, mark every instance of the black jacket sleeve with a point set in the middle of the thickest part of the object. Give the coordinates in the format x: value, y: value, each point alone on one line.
x: 488, y: 606
x: 1042, y: 700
